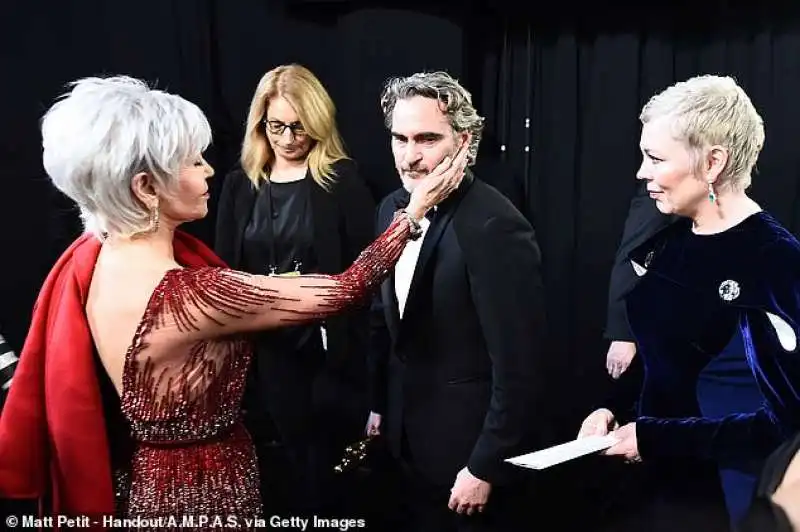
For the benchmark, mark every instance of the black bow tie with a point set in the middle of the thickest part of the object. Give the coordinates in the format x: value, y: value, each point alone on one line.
x: 401, y: 202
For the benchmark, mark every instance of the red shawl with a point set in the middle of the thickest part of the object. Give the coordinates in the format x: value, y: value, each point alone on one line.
x: 52, y: 429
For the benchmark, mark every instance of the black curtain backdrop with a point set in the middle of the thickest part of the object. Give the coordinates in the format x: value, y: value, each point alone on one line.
x: 561, y: 87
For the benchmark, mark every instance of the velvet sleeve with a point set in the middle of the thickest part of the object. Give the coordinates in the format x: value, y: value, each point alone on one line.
x: 770, y: 325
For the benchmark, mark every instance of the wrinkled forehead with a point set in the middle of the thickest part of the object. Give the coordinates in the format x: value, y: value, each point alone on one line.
x: 413, y: 116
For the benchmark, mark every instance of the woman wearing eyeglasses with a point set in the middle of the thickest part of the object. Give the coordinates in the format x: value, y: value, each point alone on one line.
x: 297, y: 205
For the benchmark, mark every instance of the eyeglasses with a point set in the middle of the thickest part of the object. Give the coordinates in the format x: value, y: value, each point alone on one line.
x: 276, y: 127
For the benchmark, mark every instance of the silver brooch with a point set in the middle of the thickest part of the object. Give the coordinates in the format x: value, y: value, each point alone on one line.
x: 729, y: 290
x: 648, y: 259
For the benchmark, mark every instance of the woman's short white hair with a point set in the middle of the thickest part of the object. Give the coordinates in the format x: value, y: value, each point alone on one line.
x: 105, y: 131
x: 713, y: 110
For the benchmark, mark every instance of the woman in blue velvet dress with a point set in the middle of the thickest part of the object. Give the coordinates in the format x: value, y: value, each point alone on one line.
x: 715, y: 314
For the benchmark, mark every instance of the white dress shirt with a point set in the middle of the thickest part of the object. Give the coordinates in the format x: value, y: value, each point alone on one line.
x: 404, y: 271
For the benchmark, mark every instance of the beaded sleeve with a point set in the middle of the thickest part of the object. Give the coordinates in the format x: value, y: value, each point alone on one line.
x: 211, y: 301
x: 180, y: 360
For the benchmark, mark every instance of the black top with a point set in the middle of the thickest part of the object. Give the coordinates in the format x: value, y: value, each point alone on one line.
x: 279, y: 237
x: 342, y: 219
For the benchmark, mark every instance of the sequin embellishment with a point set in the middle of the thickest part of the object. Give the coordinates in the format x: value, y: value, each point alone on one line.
x: 184, y: 378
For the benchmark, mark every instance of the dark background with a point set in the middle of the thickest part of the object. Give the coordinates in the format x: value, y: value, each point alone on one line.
x: 560, y: 83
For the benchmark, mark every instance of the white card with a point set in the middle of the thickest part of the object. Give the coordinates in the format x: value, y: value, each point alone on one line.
x: 563, y: 452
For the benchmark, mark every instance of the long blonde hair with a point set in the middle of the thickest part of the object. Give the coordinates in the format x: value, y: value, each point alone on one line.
x: 317, y: 112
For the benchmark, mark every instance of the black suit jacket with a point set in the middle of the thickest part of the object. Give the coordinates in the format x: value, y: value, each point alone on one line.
x: 460, y: 373
x: 644, y: 220
x: 343, y: 222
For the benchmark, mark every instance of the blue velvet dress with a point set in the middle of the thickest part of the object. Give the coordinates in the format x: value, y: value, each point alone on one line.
x: 716, y: 319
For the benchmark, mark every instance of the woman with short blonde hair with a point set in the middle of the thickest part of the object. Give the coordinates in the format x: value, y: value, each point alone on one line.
x: 715, y: 314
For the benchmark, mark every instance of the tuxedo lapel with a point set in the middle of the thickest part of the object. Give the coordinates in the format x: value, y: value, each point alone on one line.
x: 429, y: 244
x: 388, y: 293
x: 439, y: 224
x: 391, y: 309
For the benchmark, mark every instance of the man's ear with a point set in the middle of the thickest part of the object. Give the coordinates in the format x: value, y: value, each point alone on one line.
x: 466, y: 138
x: 144, y: 189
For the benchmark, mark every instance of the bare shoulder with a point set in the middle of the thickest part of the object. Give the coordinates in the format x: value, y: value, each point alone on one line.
x: 115, y: 308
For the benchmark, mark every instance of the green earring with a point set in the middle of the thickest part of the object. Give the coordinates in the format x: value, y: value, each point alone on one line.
x: 711, y: 196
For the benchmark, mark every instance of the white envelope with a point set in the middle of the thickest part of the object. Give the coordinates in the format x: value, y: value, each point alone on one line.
x: 563, y: 452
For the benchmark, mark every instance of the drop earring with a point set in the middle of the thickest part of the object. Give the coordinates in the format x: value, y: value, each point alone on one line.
x: 712, y: 197
x: 154, y: 220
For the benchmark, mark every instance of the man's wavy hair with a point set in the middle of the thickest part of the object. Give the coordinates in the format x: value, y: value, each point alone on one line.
x: 455, y: 102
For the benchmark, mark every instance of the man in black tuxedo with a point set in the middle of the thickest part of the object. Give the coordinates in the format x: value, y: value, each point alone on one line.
x: 458, y: 329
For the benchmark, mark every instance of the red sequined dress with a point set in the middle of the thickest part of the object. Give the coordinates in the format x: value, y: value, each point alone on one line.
x: 185, y: 372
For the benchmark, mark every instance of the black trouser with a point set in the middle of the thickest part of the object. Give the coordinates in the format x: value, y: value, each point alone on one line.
x: 301, y: 421
x: 425, y: 505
